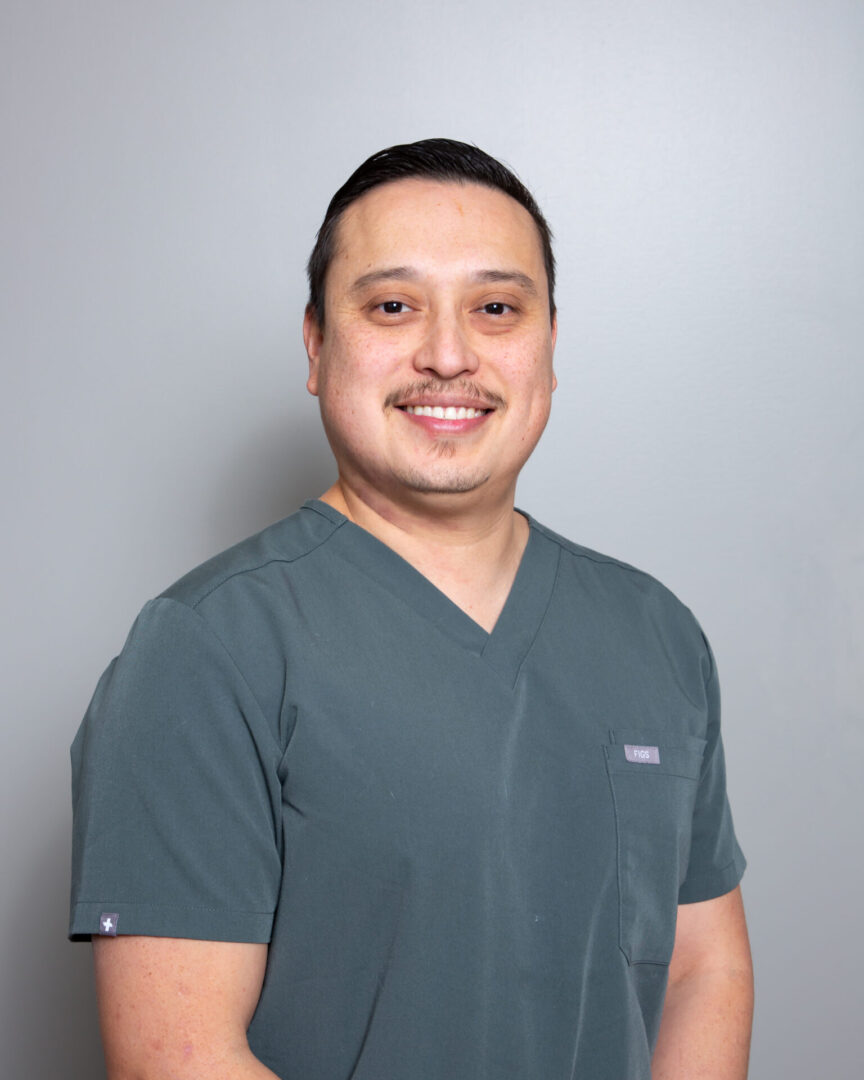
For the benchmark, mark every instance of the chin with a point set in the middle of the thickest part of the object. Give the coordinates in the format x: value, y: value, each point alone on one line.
x: 444, y: 483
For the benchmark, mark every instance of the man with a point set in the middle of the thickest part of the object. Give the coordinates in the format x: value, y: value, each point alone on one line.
x: 407, y: 787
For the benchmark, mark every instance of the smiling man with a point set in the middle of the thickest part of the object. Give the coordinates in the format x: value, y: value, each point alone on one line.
x: 407, y: 787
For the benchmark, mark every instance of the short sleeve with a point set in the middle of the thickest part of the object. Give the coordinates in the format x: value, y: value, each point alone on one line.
x: 175, y: 791
x: 716, y: 861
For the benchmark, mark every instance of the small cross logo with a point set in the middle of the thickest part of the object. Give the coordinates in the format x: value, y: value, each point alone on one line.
x: 108, y: 923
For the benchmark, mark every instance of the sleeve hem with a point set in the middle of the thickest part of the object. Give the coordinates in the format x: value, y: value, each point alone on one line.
x: 150, y: 920
x: 710, y: 885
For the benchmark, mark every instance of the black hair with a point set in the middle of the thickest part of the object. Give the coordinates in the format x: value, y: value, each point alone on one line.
x: 435, y: 159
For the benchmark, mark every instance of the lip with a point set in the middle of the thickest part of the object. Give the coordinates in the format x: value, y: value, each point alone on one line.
x: 436, y: 425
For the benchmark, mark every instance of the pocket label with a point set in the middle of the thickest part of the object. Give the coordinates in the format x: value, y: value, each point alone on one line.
x: 642, y: 755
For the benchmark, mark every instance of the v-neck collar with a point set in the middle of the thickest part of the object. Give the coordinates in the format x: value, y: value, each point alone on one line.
x: 506, y: 647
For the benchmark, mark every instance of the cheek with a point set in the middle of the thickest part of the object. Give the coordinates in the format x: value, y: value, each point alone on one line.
x: 362, y: 359
x: 534, y: 382
x: 531, y: 376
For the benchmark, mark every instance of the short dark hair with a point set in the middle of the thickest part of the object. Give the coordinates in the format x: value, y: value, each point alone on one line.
x: 435, y: 159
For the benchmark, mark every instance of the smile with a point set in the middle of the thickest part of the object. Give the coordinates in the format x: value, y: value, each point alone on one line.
x: 448, y: 412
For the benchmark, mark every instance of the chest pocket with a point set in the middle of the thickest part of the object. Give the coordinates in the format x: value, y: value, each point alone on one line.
x: 654, y: 784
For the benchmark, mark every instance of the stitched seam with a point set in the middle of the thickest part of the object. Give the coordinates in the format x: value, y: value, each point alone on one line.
x: 259, y: 566
x: 174, y: 907
x: 540, y: 623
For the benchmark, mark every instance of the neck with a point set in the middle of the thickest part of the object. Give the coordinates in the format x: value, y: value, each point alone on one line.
x: 469, y: 551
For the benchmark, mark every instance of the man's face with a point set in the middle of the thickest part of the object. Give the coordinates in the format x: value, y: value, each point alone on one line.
x: 434, y: 370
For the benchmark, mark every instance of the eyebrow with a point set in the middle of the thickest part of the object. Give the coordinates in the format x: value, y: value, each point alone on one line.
x: 390, y: 273
x: 409, y: 273
x: 505, y: 277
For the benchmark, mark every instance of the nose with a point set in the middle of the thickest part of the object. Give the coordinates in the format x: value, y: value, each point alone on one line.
x: 445, y: 352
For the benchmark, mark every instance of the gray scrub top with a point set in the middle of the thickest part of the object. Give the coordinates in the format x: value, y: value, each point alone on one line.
x: 466, y: 850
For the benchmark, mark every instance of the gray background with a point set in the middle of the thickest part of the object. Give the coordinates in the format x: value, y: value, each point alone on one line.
x: 164, y: 168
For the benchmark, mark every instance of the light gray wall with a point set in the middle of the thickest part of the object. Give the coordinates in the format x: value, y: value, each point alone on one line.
x: 164, y: 167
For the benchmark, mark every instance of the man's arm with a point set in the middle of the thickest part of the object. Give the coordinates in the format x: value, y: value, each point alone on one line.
x: 705, y: 1030
x: 179, y: 1009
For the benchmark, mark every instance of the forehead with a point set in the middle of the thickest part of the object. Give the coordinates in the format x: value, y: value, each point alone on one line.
x: 437, y: 222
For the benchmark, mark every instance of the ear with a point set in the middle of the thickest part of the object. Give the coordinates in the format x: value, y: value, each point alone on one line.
x: 312, y: 338
x: 554, y: 340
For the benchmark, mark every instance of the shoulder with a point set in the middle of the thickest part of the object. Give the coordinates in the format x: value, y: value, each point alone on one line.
x: 257, y: 557
x: 614, y: 572
x: 230, y: 621
x: 617, y: 593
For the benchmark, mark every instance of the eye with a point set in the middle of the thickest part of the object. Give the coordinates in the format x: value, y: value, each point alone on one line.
x: 496, y: 307
x: 393, y: 307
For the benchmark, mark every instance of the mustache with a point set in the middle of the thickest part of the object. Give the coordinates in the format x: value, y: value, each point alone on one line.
x: 465, y: 387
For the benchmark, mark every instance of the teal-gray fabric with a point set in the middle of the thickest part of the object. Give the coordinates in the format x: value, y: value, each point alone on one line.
x: 465, y: 850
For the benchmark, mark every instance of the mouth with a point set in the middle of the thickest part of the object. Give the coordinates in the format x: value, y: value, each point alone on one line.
x: 445, y: 420
x: 445, y: 412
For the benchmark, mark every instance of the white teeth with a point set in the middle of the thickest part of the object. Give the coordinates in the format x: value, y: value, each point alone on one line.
x: 451, y: 412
